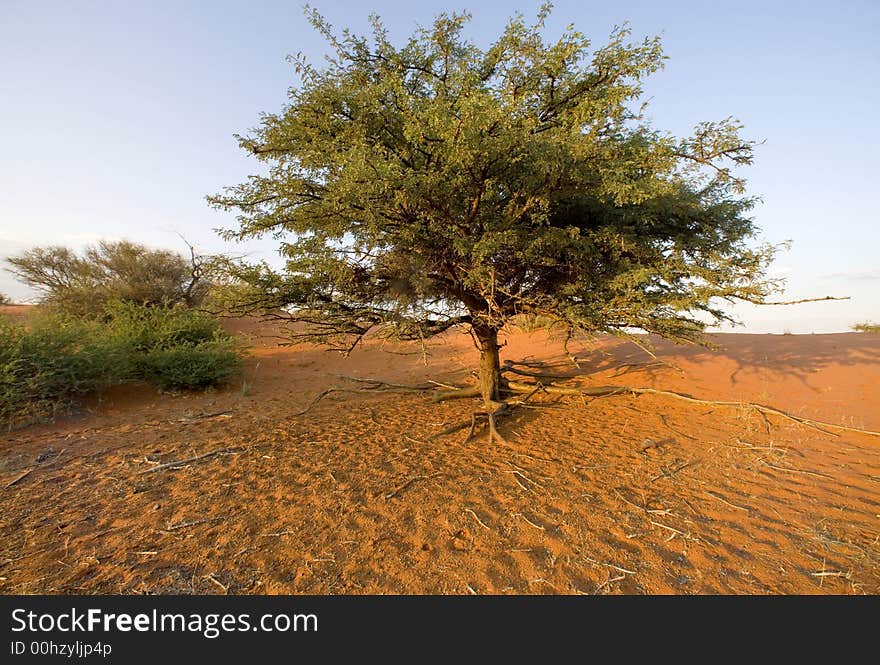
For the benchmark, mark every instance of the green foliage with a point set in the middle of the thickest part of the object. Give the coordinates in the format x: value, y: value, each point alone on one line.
x: 190, y: 367
x: 867, y: 327
x: 530, y: 323
x: 145, y: 329
x: 4, y: 299
x: 437, y: 183
x: 57, y: 358
x: 84, y: 284
x: 45, y: 367
x: 174, y: 347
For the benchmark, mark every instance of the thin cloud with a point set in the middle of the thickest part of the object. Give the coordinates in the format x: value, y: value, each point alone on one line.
x: 856, y: 275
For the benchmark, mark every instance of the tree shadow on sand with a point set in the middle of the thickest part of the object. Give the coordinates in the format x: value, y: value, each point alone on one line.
x: 797, y: 356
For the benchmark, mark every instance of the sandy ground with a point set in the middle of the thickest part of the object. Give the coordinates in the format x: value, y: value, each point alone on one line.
x: 618, y: 495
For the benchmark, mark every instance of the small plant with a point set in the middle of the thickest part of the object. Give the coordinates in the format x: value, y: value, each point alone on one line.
x: 246, y: 386
x: 867, y: 327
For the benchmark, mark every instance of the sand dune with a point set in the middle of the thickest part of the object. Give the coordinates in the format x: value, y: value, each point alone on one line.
x: 617, y: 495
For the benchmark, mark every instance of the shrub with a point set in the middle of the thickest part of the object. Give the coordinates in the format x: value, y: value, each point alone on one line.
x: 45, y: 367
x: 174, y: 347
x: 145, y: 329
x: 190, y: 367
x: 867, y: 327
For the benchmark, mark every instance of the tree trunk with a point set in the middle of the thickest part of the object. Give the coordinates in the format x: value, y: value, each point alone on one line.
x: 490, y: 366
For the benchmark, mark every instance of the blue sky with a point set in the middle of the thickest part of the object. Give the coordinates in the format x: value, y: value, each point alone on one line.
x: 117, y: 118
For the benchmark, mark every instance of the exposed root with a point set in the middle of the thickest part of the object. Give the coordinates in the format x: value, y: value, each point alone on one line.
x: 473, y: 428
x: 373, y: 385
x: 460, y: 393
x: 491, y: 415
x: 493, y: 430
x: 593, y: 391
x: 499, y: 409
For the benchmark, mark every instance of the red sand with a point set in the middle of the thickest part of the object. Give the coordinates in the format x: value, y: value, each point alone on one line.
x: 618, y: 495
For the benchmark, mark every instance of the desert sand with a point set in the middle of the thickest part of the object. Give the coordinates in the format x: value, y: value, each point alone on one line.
x: 625, y: 494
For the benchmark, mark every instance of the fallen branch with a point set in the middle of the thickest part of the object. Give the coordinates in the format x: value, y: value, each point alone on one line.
x: 609, y: 565
x: 519, y: 483
x: 800, y: 471
x: 190, y: 460
x: 479, y: 521
x: 204, y: 416
x: 528, y: 521
x: 409, y: 482
x: 20, y: 476
x: 726, y: 502
x: 610, y: 580
x: 670, y: 473
x: 211, y: 578
x: 321, y: 395
x: 385, y: 385
x: 650, y: 511
x: 669, y: 528
x: 185, y: 525
x: 39, y: 465
x: 458, y: 393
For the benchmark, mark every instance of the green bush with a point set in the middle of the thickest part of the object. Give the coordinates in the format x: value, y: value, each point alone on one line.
x: 45, y: 366
x: 144, y: 329
x: 174, y: 347
x: 867, y: 327
x: 190, y: 367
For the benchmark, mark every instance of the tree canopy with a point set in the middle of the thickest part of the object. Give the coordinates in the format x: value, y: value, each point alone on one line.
x: 437, y: 183
x: 83, y: 284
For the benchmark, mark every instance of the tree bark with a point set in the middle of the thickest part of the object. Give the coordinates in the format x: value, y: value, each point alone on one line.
x: 490, y: 366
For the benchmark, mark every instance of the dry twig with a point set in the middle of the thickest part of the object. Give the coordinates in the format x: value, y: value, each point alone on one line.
x: 409, y: 482
x: 190, y: 460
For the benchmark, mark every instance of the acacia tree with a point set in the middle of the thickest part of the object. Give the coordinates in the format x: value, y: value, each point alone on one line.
x: 435, y: 184
x: 82, y: 284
